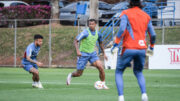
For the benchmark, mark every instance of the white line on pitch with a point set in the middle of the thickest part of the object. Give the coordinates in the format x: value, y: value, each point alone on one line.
x: 109, y: 83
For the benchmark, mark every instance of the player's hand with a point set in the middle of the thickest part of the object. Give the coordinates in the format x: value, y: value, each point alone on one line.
x: 113, y: 48
x: 105, y: 57
x: 39, y: 64
x: 79, y: 54
x: 149, y: 51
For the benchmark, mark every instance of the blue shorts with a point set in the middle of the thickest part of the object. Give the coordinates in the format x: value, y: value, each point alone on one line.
x: 138, y: 57
x: 27, y: 67
x: 82, y: 61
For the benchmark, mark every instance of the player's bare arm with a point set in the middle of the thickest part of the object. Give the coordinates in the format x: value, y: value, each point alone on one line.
x: 77, y: 47
x: 102, y: 49
x: 35, y: 62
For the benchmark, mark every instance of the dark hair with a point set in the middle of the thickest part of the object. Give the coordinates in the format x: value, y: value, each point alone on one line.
x: 37, y: 36
x: 92, y: 20
x: 134, y: 3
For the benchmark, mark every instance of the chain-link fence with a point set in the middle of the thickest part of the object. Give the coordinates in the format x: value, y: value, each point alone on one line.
x: 57, y: 49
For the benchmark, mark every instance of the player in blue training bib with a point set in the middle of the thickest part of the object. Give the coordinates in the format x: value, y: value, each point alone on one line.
x: 30, y: 62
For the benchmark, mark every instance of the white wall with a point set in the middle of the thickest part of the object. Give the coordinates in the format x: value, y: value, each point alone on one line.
x: 165, y: 57
x: 177, y: 11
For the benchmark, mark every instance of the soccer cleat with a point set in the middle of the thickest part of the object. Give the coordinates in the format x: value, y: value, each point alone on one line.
x: 40, y: 85
x: 121, y: 98
x: 35, y: 85
x: 144, y: 97
x: 105, y: 87
x: 68, y: 81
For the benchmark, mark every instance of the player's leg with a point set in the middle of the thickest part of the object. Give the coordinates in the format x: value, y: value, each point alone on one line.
x: 35, y: 73
x: 139, y: 62
x: 35, y: 76
x: 81, y: 63
x: 77, y: 73
x: 100, y: 68
x: 95, y: 61
x: 119, y: 83
x: 122, y: 61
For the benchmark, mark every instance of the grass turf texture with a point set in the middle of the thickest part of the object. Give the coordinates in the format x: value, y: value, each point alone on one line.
x: 15, y: 85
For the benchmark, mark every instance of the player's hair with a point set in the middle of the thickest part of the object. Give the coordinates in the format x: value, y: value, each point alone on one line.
x: 134, y: 3
x: 38, y: 36
x: 92, y: 20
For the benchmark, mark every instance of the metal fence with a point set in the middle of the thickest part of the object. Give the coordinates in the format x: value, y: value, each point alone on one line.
x: 58, y: 49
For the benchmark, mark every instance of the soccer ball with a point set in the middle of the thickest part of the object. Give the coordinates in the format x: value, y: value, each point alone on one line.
x: 98, y: 85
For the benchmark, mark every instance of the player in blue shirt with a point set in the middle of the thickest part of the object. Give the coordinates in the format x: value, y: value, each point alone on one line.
x: 86, y: 52
x: 29, y: 61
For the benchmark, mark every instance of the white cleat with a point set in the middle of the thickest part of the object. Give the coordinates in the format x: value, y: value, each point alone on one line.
x: 35, y: 85
x: 69, y: 77
x: 105, y: 87
x: 121, y: 98
x: 144, y: 97
x: 40, y: 85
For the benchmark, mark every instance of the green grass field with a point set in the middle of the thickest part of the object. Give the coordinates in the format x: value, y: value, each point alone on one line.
x: 15, y: 85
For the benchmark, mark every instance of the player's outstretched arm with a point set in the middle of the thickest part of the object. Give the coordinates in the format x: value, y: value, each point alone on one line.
x: 81, y: 36
x: 102, y: 49
x: 77, y: 47
x: 152, y: 34
x: 123, y: 25
x: 121, y: 32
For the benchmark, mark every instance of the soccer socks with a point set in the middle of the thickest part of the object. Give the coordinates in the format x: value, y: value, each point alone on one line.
x: 119, y: 81
x: 141, y: 80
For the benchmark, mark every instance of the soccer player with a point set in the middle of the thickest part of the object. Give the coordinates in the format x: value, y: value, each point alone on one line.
x: 88, y: 39
x: 29, y: 61
x: 133, y: 27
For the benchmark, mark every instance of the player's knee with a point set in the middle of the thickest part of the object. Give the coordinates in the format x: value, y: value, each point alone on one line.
x: 100, y: 67
x: 36, y: 73
x: 137, y: 71
x: 79, y: 74
x: 119, y: 70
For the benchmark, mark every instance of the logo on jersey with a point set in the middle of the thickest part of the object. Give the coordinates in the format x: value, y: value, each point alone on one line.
x: 175, y: 55
x: 141, y: 43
